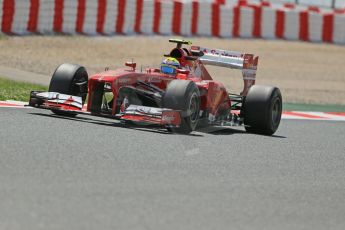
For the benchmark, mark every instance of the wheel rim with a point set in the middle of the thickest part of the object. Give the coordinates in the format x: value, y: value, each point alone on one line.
x: 193, y: 108
x: 76, y: 89
x: 276, y: 112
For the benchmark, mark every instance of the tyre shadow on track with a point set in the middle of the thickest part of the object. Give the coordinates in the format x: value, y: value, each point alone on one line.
x: 150, y: 128
x: 230, y: 131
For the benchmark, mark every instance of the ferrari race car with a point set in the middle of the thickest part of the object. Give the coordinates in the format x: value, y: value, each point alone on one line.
x: 181, y: 100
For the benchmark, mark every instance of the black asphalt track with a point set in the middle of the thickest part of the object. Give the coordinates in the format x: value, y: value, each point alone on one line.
x: 92, y: 173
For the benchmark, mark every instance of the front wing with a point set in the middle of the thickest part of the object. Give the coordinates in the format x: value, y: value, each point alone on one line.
x: 151, y: 115
x: 133, y: 113
x: 57, y: 101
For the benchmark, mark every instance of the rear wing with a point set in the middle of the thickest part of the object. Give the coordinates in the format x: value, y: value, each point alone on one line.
x: 230, y: 59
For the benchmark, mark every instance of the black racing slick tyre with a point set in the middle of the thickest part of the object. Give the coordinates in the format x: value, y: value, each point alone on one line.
x: 183, y: 95
x: 69, y: 79
x: 262, y: 110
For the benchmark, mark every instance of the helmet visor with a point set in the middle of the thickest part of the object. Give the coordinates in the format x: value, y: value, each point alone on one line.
x: 168, y: 69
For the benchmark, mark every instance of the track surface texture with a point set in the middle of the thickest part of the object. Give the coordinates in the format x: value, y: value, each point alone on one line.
x: 305, y: 72
x: 91, y: 173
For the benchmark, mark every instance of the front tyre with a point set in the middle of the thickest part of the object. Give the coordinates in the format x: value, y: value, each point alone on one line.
x: 262, y: 110
x: 69, y: 79
x: 185, y: 96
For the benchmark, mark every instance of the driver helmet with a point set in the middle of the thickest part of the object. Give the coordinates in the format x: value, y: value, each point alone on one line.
x: 170, y: 65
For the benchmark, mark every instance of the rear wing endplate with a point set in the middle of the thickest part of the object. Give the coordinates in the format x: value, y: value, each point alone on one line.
x: 230, y: 59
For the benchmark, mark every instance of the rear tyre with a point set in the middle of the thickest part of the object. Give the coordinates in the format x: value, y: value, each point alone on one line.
x: 185, y: 96
x: 69, y: 79
x: 262, y: 110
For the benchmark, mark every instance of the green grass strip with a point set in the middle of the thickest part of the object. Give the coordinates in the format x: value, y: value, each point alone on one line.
x: 19, y: 91
x: 313, y: 108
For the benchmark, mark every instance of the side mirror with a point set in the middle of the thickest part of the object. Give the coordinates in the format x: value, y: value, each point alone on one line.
x: 182, y: 74
x: 131, y: 64
x: 183, y: 71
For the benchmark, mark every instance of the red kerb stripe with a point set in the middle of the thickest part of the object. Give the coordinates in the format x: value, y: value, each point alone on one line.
x: 80, y: 15
x: 215, y: 19
x: 342, y: 114
x: 138, y: 16
x: 236, y: 20
x: 156, y: 16
x: 304, y: 26
x: 298, y: 114
x: 280, y: 22
x: 58, y: 15
x: 327, y: 28
x: 195, y: 14
x: 33, y: 15
x: 176, y: 22
x: 101, y: 12
x: 7, y: 16
x: 9, y: 104
x: 121, y: 6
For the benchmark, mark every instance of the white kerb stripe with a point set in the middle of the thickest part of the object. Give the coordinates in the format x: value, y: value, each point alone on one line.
x: 69, y: 17
x: 110, y: 17
x: 21, y: 17
x: 291, y: 25
x: 328, y: 116
x: 289, y: 116
x: 268, y: 23
x: 204, y: 18
x: 16, y: 102
x: 315, y: 26
x: 165, y: 26
x: 90, y: 20
x: 147, y: 17
x: 339, y: 28
x: 186, y: 18
x: 226, y: 21
x: 246, y: 22
x: 130, y: 14
x: 301, y: 115
x: 46, y: 17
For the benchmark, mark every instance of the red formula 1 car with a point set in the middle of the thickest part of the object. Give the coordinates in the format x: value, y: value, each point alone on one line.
x: 181, y: 101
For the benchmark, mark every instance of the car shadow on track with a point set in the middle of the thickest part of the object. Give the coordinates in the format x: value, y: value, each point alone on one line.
x: 149, y: 128
x: 117, y: 124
